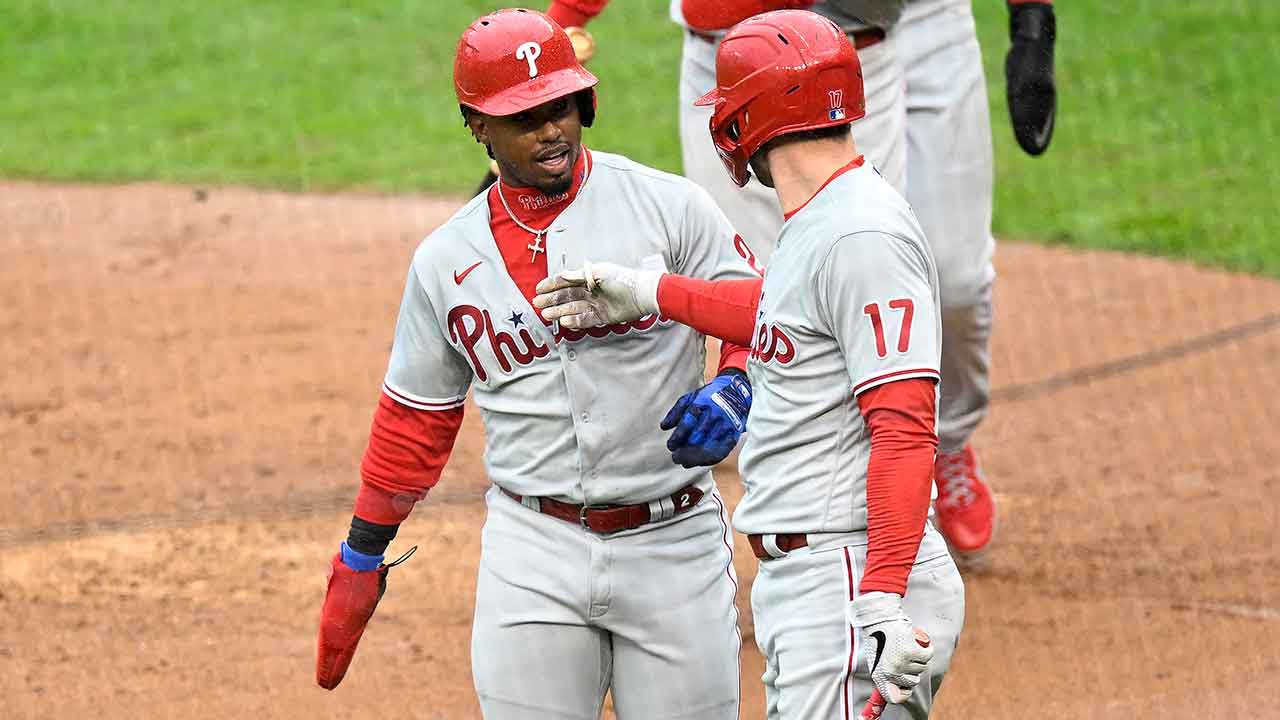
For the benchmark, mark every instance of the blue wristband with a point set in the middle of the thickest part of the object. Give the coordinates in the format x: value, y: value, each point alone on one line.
x: 358, y: 561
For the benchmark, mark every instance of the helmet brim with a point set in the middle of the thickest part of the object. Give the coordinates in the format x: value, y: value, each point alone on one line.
x: 536, y: 91
x: 709, y: 99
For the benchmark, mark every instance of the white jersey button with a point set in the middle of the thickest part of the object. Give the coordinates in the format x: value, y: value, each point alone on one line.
x: 586, y: 417
x: 573, y: 355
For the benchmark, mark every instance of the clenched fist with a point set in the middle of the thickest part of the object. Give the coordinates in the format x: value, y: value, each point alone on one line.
x: 889, y: 645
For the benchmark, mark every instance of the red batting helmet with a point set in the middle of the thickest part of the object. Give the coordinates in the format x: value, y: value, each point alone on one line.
x: 776, y: 73
x: 512, y: 60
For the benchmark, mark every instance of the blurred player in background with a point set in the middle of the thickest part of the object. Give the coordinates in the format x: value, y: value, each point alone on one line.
x: 929, y: 133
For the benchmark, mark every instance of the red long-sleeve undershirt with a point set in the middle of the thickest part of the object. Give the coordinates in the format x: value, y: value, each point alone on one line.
x: 900, y: 417
x: 575, y: 13
x: 407, y: 451
x: 723, y: 14
x: 700, y: 14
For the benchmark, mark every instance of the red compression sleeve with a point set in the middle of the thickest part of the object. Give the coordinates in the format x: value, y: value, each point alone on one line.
x: 722, y: 14
x: 733, y: 356
x: 575, y: 13
x: 407, y: 451
x: 720, y: 308
x: 900, y: 416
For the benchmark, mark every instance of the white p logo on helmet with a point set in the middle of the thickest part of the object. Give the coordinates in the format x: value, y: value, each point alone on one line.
x: 530, y: 51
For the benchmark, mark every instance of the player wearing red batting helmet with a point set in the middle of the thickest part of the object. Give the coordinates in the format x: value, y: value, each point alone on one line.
x: 604, y: 567
x: 513, y: 69
x: 857, y: 597
x: 780, y: 74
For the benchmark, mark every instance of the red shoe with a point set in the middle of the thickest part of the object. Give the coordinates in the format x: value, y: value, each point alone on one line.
x: 965, y: 510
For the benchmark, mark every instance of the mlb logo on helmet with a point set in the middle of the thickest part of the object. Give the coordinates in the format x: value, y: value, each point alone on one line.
x: 837, y: 105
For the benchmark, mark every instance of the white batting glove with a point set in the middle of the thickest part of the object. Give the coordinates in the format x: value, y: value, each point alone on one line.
x: 598, y: 294
x: 894, y: 655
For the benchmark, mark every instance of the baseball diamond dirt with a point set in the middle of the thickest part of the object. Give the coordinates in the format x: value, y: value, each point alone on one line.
x: 189, y: 376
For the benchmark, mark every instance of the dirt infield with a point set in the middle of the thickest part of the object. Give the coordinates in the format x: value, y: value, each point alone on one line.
x: 188, y: 378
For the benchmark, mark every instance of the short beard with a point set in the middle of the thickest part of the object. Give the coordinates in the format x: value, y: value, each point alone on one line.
x: 561, y: 186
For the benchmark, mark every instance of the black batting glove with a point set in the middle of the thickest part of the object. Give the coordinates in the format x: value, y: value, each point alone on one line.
x: 1028, y: 72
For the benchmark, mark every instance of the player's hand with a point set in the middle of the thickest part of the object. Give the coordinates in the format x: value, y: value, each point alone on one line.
x: 356, y: 584
x: 584, y: 45
x: 895, y: 656
x: 598, y: 294
x: 1028, y: 72
x: 709, y: 420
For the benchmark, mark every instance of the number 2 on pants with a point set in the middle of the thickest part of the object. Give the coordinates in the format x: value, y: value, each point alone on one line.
x: 908, y: 309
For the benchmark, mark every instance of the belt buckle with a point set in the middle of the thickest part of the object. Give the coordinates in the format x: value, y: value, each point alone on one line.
x: 582, y: 515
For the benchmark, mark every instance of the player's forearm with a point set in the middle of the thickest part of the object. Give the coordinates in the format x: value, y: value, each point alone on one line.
x: 900, y: 416
x: 575, y: 13
x: 725, y: 309
x: 723, y: 14
x: 407, y: 451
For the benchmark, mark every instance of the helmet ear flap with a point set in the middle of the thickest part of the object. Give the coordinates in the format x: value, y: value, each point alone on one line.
x: 586, y: 106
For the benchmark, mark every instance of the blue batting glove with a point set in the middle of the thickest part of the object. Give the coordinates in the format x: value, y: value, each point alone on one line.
x: 708, y: 421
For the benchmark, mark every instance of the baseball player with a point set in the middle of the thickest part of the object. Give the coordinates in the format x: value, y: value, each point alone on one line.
x: 604, y: 567
x: 929, y: 133
x: 845, y: 358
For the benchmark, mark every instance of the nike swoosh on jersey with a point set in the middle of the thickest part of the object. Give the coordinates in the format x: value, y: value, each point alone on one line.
x: 457, y: 279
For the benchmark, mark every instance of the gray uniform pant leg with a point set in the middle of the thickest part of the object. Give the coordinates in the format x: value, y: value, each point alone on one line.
x: 533, y: 652
x: 563, y: 615
x: 949, y: 170
x: 812, y: 667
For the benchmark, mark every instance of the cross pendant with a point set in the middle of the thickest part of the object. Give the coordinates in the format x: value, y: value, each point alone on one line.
x: 536, y: 246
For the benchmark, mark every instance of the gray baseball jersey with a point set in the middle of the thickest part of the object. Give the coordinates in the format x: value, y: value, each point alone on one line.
x: 568, y: 414
x: 849, y: 302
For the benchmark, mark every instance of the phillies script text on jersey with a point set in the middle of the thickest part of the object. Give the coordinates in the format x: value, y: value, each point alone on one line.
x: 469, y: 324
x: 772, y: 344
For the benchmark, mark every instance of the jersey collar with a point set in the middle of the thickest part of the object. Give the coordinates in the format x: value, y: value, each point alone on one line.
x: 853, y: 164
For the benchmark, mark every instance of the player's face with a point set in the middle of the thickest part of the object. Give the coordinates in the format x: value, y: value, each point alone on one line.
x: 536, y: 148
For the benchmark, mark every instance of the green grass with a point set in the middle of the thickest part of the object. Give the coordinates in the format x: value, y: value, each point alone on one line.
x: 1166, y: 142
x: 1167, y: 139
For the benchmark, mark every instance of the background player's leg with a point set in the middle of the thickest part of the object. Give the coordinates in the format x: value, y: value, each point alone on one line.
x: 881, y: 135
x: 673, y: 620
x: 753, y: 210
x: 949, y: 166
x: 533, y: 657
